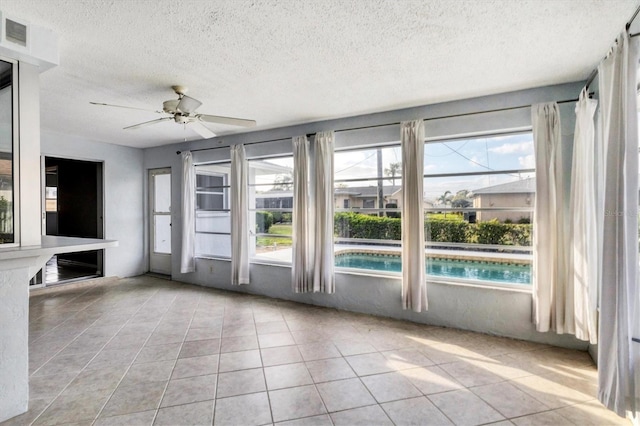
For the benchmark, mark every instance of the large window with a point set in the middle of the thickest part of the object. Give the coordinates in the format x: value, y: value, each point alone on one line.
x: 366, y: 182
x: 213, y: 223
x: 271, y: 207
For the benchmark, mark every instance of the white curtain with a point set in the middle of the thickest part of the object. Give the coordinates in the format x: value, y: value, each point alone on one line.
x: 187, y: 256
x: 414, y: 287
x: 552, y: 291
x: 618, y: 356
x: 239, y: 217
x: 583, y: 266
x: 323, y: 265
x: 301, y: 274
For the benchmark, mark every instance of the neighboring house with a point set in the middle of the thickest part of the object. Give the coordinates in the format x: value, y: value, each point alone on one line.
x: 349, y: 198
x: 366, y: 197
x: 520, y: 193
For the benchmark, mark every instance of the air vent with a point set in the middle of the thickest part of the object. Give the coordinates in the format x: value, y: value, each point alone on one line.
x: 15, y: 32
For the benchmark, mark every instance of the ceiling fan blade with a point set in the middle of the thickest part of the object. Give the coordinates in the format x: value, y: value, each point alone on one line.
x: 148, y: 123
x: 188, y: 104
x: 201, y: 130
x: 122, y: 106
x: 226, y: 120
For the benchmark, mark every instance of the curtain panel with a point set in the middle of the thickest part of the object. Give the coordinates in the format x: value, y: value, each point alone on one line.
x: 552, y: 299
x: 239, y: 216
x: 301, y: 274
x: 414, y: 287
x: 619, y: 322
x: 187, y: 254
x: 323, y: 265
x: 583, y: 209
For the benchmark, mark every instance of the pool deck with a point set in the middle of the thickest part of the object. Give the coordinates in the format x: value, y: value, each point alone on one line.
x: 285, y: 254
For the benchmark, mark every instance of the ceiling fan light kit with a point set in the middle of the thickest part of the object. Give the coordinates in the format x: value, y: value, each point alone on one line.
x: 182, y: 111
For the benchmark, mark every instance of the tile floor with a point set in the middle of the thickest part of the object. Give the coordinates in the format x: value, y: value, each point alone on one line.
x: 145, y: 351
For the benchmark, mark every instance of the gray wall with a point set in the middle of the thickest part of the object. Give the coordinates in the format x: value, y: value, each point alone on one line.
x: 123, y: 197
x: 490, y: 310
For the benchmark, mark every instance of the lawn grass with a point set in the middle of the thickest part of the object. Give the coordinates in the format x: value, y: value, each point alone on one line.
x: 455, y: 217
x: 285, y: 240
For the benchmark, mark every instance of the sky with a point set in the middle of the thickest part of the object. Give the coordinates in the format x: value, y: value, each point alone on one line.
x: 495, y: 153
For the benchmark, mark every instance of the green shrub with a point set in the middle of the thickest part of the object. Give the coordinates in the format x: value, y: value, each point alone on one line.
x: 446, y: 231
x: 357, y: 225
x: 264, y: 220
x: 492, y: 232
x: 286, y: 217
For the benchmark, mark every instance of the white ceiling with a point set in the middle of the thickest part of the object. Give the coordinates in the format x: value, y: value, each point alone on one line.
x: 285, y: 62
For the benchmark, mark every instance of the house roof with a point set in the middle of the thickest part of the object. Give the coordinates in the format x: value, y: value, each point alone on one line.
x: 367, y: 191
x: 354, y: 191
x: 523, y: 186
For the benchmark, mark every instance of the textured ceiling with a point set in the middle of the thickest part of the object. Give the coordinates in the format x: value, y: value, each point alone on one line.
x: 290, y: 61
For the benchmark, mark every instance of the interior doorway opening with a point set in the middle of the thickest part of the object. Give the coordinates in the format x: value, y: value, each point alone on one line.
x: 72, y: 207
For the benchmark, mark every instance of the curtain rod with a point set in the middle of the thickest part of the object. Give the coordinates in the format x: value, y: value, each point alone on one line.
x: 373, y: 126
x: 593, y: 74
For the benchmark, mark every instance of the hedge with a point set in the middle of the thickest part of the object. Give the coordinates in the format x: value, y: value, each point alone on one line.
x: 264, y: 220
x: 357, y: 225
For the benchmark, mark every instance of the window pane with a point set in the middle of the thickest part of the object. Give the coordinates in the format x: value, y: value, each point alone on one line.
x: 6, y: 154
x: 213, y: 223
x: 162, y: 234
x: 270, y: 208
x: 162, y: 196
x: 213, y: 245
x: 510, y: 152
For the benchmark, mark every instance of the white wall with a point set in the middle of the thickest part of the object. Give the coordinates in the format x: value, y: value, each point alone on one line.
x: 496, y: 311
x: 123, y: 196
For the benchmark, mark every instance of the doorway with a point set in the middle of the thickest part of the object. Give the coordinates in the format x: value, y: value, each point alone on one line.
x: 160, y: 221
x: 73, y: 207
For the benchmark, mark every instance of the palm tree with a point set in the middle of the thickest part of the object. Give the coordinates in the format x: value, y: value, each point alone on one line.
x: 393, y: 170
x: 445, y: 198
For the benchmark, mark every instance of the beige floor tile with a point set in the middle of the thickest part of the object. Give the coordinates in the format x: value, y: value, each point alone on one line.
x: 72, y: 409
x: 406, y: 358
x: 344, y: 394
x: 247, y: 410
x: 322, y: 420
x: 242, y: 360
x: 326, y: 370
x: 390, y: 387
x: 144, y: 418
x: 64, y: 364
x: 293, y: 403
x: 470, y: 374
x: 365, y: 416
x: 350, y: 347
x: 271, y: 327
x: 592, y: 413
x: 475, y: 411
x: 415, y: 411
x: 547, y: 418
x: 132, y: 399
x: 102, y: 380
x: 191, y: 389
x: 42, y: 387
x: 113, y: 358
x: 196, y: 414
x: 240, y: 343
x: 509, y: 400
x: 200, y: 331
x: 287, y: 376
x: 197, y: 366
x: 275, y: 339
x: 241, y: 382
x: 367, y: 364
x: 158, y: 371
x: 154, y: 353
x: 553, y: 391
x: 280, y: 355
x: 314, y: 351
x: 431, y: 379
x: 36, y: 407
x: 200, y: 348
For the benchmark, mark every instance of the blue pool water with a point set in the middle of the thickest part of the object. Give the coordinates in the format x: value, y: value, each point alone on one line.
x: 498, y: 273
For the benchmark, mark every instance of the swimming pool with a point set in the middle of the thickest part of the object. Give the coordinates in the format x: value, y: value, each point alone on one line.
x: 443, y: 268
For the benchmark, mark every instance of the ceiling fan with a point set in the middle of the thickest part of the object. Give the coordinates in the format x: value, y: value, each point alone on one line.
x: 183, y: 111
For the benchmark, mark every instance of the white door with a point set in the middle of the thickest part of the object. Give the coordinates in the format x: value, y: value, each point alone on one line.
x: 160, y: 221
